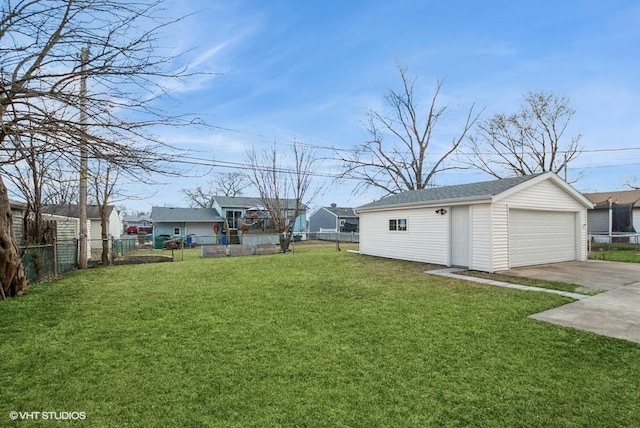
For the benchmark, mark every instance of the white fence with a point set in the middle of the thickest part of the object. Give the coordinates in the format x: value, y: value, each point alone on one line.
x: 615, y: 238
x: 333, y: 236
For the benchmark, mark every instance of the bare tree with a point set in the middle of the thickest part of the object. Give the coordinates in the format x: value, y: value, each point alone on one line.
x: 231, y: 183
x: 225, y: 184
x: 400, y: 154
x: 61, y: 187
x: 284, y: 191
x: 104, y: 179
x: 40, y: 79
x: 39, y: 179
x: 527, y: 142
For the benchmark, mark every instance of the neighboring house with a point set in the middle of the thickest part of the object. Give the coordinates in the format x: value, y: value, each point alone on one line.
x: 334, y: 217
x: 94, y: 231
x: 625, y: 215
x: 114, y: 223
x: 67, y: 232
x: 18, y: 210
x: 489, y: 226
x: 139, y: 221
x: 202, y: 225
x: 239, y: 210
x: 67, y: 228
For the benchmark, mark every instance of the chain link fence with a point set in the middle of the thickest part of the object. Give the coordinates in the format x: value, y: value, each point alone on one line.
x: 42, y: 262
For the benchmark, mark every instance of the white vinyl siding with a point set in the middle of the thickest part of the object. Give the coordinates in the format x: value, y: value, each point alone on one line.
x: 481, y: 242
x: 539, y: 237
x: 500, y: 231
x: 425, y: 240
x: 545, y: 195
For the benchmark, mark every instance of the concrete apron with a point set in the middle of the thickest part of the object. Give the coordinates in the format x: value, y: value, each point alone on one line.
x: 615, y: 313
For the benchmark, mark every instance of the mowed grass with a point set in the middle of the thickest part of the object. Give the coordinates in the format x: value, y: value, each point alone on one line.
x: 315, y: 338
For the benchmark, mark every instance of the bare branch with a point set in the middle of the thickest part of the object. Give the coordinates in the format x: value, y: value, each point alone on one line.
x: 399, y: 154
x: 527, y: 142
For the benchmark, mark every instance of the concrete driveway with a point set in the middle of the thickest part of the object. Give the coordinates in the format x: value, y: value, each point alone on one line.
x: 593, y: 274
x: 614, y: 313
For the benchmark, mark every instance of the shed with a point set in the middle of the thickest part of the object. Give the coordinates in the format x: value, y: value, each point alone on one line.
x: 488, y: 226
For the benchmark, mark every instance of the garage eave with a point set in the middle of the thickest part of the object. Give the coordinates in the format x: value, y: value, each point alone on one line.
x: 429, y: 204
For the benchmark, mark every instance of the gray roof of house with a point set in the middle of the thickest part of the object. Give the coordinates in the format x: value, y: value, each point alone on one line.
x: 447, y: 193
x: 342, y: 211
x: 73, y: 210
x: 191, y: 215
x: 248, y: 202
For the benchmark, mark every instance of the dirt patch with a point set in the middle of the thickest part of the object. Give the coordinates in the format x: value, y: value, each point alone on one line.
x: 136, y: 260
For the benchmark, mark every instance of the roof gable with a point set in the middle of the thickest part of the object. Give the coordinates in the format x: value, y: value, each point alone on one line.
x: 173, y: 214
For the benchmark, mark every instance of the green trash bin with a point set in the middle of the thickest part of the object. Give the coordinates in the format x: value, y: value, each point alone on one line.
x: 158, y: 243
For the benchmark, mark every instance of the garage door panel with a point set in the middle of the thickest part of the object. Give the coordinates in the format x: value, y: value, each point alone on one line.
x: 538, y: 237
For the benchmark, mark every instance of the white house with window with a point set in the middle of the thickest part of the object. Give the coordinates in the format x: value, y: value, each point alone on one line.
x: 488, y: 226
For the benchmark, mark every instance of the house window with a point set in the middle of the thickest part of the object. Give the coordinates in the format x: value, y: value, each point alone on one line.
x: 398, y: 224
x: 342, y: 222
x: 176, y: 231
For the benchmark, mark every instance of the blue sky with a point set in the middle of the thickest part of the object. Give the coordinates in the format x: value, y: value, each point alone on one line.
x: 284, y: 70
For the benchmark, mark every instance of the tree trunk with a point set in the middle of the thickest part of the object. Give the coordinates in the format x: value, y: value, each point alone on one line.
x: 104, y: 233
x: 12, y: 276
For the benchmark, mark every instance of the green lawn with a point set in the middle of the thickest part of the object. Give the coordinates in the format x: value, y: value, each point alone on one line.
x: 632, y: 256
x: 554, y: 285
x: 315, y: 338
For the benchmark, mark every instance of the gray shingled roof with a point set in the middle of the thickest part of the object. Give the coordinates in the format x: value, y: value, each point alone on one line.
x: 447, y: 193
x: 190, y: 215
x: 73, y: 210
x: 342, y: 211
x: 249, y: 202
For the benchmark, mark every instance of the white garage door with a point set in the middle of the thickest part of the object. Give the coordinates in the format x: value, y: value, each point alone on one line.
x: 538, y: 237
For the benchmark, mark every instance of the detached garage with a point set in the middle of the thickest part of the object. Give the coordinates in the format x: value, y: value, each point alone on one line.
x: 489, y: 226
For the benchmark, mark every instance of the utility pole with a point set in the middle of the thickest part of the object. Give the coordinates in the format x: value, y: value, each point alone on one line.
x: 82, y: 257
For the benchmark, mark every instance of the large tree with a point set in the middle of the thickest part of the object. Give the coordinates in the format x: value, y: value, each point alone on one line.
x: 529, y: 141
x: 404, y: 151
x: 41, y: 96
